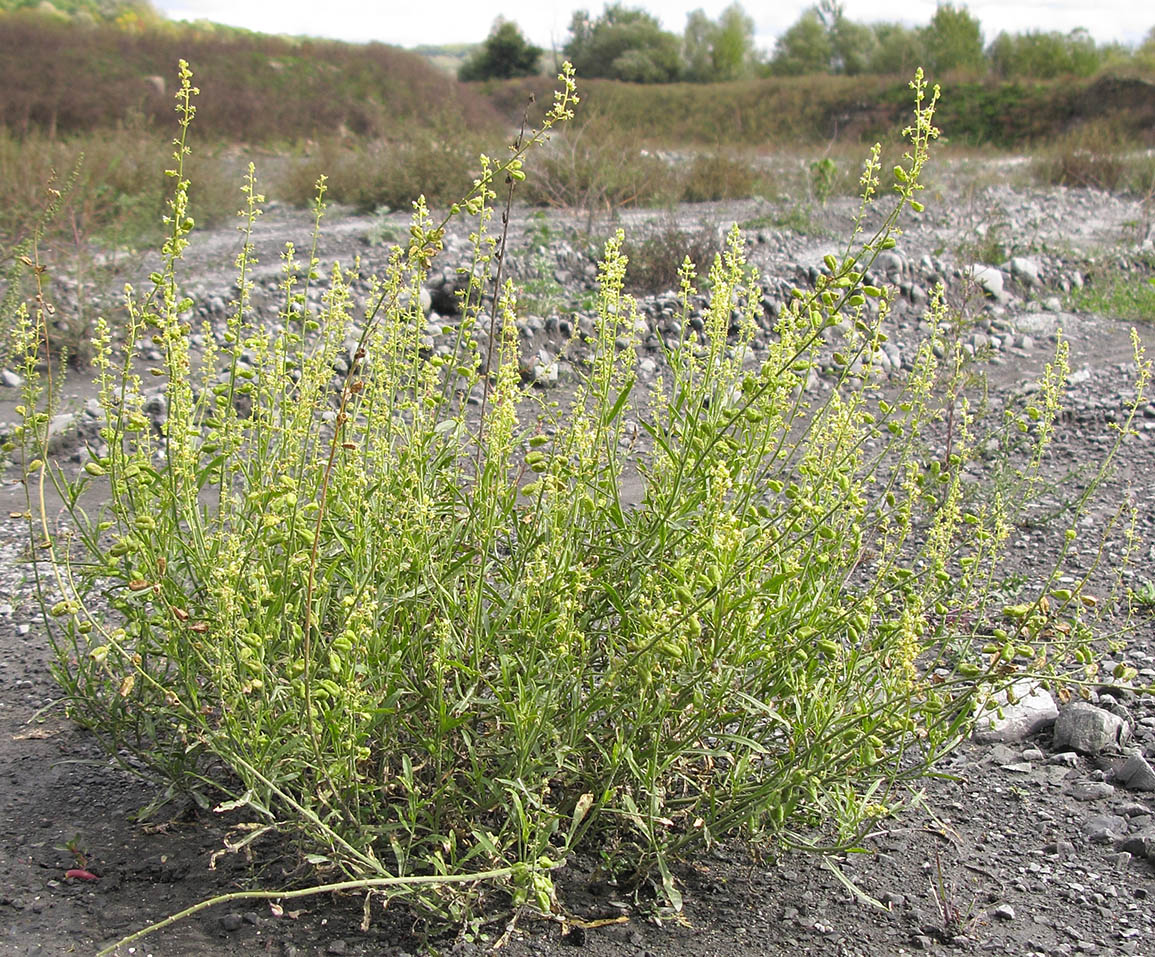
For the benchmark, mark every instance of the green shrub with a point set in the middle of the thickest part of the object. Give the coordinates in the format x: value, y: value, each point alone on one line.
x: 435, y: 644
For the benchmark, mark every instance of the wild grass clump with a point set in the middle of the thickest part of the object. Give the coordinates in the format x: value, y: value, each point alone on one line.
x: 709, y: 177
x: 435, y: 643
x: 657, y: 262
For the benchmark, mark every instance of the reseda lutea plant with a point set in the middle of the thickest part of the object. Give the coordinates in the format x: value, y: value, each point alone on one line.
x: 436, y: 646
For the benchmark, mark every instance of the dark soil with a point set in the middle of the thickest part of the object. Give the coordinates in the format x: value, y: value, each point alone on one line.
x: 1010, y: 851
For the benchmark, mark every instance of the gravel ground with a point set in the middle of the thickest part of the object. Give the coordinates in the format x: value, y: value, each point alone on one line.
x: 1040, y: 843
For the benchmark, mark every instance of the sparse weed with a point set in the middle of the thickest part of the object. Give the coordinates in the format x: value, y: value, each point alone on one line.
x: 1143, y: 594
x: 799, y: 218
x: 434, y: 643
x: 381, y: 232
x: 1118, y: 286
x: 988, y: 245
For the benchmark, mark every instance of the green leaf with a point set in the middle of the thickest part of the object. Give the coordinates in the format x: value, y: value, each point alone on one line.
x: 621, y: 401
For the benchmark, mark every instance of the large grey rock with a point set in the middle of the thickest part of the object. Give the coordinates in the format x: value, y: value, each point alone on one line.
x: 1105, y: 829
x: 1090, y: 790
x: 1089, y: 730
x: 1140, y: 845
x: 1136, y: 774
x: 1033, y: 709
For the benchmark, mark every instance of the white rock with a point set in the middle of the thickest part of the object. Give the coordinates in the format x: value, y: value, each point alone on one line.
x: 990, y: 279
x: 1025, y: 270
x: 1032, y: 709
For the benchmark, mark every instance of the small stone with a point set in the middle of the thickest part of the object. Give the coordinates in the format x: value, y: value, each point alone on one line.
x: 1002, y: 755
x: 1060, y: 849
x: 1004, y: 912
x: 337, y: 946
x: 11, y: 379
x: 1083, y: 727
x: 1091, y: 790
x: 232, y: 922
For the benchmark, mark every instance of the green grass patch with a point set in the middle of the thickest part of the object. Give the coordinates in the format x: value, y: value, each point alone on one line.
x: 1123, y: 290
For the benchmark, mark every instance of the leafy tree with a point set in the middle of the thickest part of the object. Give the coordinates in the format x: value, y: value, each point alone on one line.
x: 825, y: 40
x: 722, y: 50
x: 504, y: 54
x: 1045, y: 55
x: 698, y: 46
x: 623, y: 44
x: 804, y: 48
x: 897, y: 49
x: 851, y: 43
x: 734, y: 54
x: 954, y: 40
x: 1145, y: 55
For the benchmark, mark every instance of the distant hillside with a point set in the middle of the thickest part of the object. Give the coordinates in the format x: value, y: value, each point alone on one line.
x: 447, y: 57
x: 65, y: 74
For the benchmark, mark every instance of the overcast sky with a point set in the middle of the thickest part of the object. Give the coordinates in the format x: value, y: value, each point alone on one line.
x: 545, y: 21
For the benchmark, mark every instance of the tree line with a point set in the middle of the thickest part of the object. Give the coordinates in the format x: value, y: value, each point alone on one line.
x: 629, y: 44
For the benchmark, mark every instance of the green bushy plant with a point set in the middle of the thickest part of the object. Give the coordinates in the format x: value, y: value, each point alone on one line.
x: 823, y: 178
x: 434, y: 642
